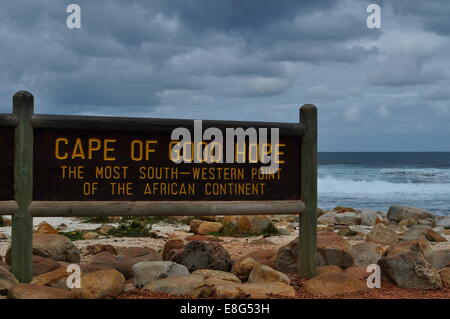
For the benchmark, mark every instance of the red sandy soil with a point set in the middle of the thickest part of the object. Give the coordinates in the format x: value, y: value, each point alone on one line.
x: 387, y: 291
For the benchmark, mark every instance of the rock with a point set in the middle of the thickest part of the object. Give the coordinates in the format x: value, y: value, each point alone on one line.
x: 207, y: 218
x: 105, y: 229
x: 98, y: 248
x: 254, y: 290
x: 30, y: 291
x: 445, y: 277
x: 41, y: 265
x: 410, y: 270
x: 50, y: 277
x: 358, y: 272
x: 346, y: 231
x: 7, y: 279
x: 423, y: 234
x: 138, y: 254
x: 398, y: 213
x: 217, y: 274
x: 327, y: 219
x: 324, y: 269
x: 380, y: 234
x: 439, y: 259
x: 264, y: 256
x: 341, y: 209
x: 6, y: 221
x: 348, y: 218
x: 243, y: 267
x: 254, y: 223
x: 100, y: 284
x: 369, y: 217
x: 106, y: 260
x: 194, y: 224
x: 407, y: 222
x: 428, y: 221
x: 177, y: 285
x: 46, y: 228
x: 366, y: 253
x: 148, y: 271
x: 206, y: 228
x: 54, y: 246
x: 443, y: 221
x: 263, y: 273
x: 332, y: 249
x: 206, y: 255
x: 230, y: 220
x: 421, y: 246
x: 334, y: 283
x: 176, y: 243
x: 90, y: 235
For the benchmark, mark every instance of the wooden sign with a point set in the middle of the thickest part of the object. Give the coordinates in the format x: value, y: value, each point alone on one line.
x: 68, y: 166
x: 129, y: 166
x: 6, y: 163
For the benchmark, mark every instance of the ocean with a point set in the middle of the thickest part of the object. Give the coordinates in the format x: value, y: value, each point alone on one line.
x: 379, y: 180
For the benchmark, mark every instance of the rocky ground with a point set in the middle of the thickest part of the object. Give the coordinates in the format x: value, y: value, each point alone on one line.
x: 236, y: 256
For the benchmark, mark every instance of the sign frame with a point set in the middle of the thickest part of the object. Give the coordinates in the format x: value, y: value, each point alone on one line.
x: 23, y: 208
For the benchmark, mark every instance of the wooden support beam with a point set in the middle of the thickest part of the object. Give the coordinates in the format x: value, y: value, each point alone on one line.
x: 165, y: 208
x: 308, y: 220
x: 22, y: 222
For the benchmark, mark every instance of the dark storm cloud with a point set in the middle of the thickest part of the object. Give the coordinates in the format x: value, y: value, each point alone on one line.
x: 235, y: 59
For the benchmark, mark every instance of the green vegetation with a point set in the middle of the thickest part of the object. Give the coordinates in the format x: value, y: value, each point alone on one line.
x: 95, y: 220
x: 73, y: 235
x: 132, y: 228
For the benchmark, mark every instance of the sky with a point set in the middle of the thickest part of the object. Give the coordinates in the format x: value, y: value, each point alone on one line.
x: 384, y: 89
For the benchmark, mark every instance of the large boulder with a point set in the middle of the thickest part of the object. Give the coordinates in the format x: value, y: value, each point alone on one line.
x: 51, y: 277
x: 30, y: 291
x: 263, y: 273
x: 398, y: 213
x: 327, y: 219
x: 348, y: 218
x: 206, y: 255
x: 381, y: 234
x: 206, y: 228
x: 439, y: 259
x: 176, y: 243
x: 263, y: 256
x: 445, y: 277
x: 100, y: 284
x: 366, y: 253
x: 7, y: 279
x: 443, y: 221
x: 243, y: 267
x: 254, y: 290
x: 254, y: 223
x: 332, y: 249
x: 217, y: 274
x: 419, y: 246
x: 369, y: 217
x: 54, y: 246
x: 41, y: 265
x: 177, y: 285
x: 148, y: 271
x: 428, y: 234
x: 410, y: 270
x: 334, y: 283
x: 138, y: 254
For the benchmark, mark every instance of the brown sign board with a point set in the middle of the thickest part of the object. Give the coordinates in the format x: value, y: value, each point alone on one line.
x: 6, y: 163
x: 93, y: 165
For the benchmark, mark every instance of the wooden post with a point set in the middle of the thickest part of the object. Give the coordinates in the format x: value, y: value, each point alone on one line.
x: 308, y: 220
x: 22, y: 222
